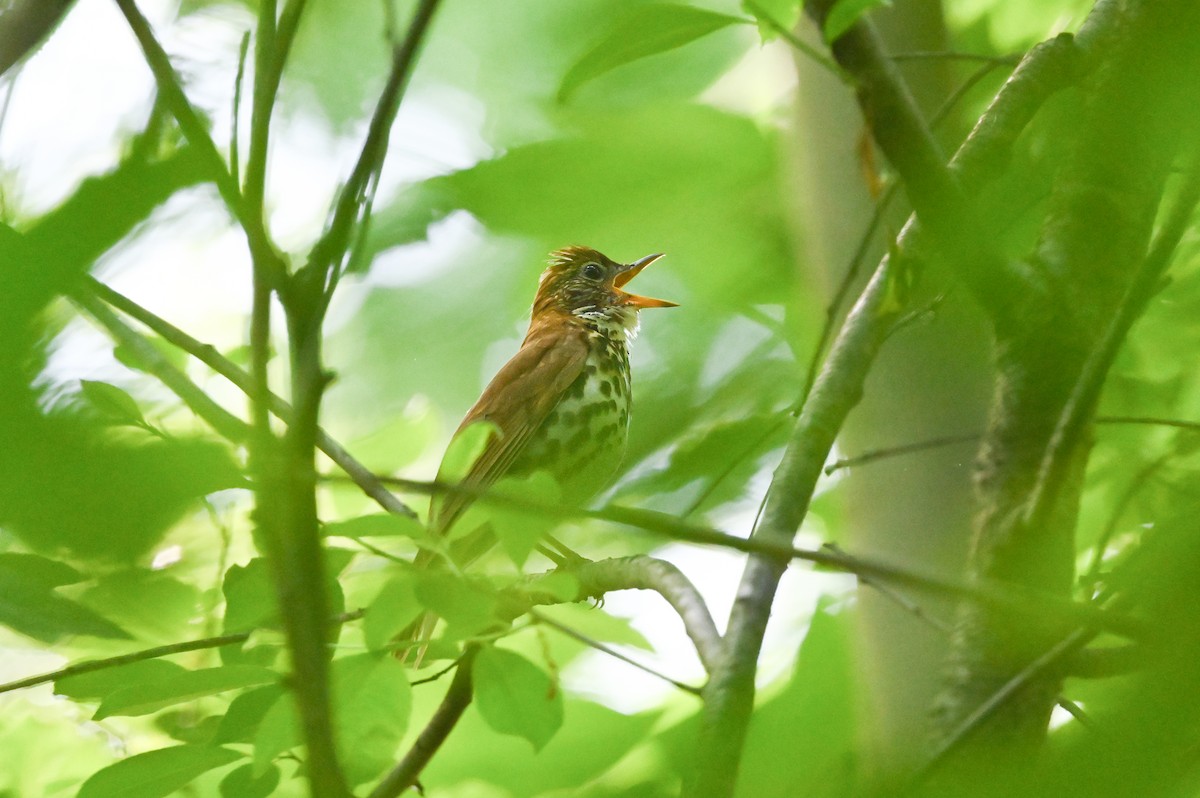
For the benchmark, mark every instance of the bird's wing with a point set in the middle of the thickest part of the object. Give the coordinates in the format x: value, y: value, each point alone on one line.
x: 517, y: 401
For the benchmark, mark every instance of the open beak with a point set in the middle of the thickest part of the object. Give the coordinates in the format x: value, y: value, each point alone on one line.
x: 631, y: 271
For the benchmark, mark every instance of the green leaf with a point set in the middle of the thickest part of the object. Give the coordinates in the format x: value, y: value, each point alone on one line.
x: 845, y: 13
x: 376, y: 525
x: 647, y: 31
x: 112, y: 402
x: 516, y: 697
x: 99, y: 684
x: 393, y: 609
x: 243, y: 783
x: 144, y: 698
x: 246, y: 711
x: 374, y: 700
x: 464, y: 450
x: 562, y: 585
x: 173, y: 354
x: 40, y: 570
x: 278, y: 731
x: 30, y: 605
x: 772, y: 15
x: 468, y: 608
x: 155, y: 774
x: 519, y: 531
x: 249, y: 597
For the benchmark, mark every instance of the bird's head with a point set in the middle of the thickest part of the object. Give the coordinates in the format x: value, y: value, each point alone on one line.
x: 586, y: 283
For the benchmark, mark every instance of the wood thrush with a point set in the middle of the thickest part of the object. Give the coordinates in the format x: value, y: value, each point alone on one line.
x: 562, y: 403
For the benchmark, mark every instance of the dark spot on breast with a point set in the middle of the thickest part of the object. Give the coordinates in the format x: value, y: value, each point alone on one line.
x: 606, y: 387
x: 624, y: 417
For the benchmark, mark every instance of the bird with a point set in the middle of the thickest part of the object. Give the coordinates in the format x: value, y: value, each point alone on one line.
x: 562, y: 403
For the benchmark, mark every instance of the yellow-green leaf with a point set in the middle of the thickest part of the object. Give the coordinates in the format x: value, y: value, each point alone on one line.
x: 647, y: 31
x: 516, y: 697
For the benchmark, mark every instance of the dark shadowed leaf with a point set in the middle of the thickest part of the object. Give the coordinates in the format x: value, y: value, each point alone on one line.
x: 516, y: 697
x: 242, y: 783
x: 30, y: 605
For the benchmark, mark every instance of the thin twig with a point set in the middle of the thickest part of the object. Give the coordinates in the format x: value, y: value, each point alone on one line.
x: 612, y: 652
x: 326, y: 258
x: 983, y: 591
x: 955, y: 55
x: 1027, y: 675
x: 444, y: 719
x: 950, y: 440
x: 235, y: 168
x: 1110, y: 528
x: 1086, y: 391
x: 638, y: 572
x: 225, y: 423
x: 90, y: 666
x: 850, y: 274
x: 363, y: 477
x: 810, y: 52
x: 896, y: 451
x: 195, y: 131
x: 1191, y: 426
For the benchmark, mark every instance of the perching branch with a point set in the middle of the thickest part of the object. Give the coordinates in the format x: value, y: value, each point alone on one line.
x: 630, y: 573
x: 1014, y: 599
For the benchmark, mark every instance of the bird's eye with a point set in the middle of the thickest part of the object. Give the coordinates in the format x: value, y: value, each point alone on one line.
x: 592, y: 271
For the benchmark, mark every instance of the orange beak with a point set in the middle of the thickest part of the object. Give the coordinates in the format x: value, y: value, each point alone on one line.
x: 631, y: 271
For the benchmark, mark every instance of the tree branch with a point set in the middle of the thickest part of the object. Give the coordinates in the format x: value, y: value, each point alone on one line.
x: 638, y: 572
x: 90, y: 666
x: 457, y: 698
x: 362, y: 476
x: 169, y: 87
x: 328, y: 253
x: 1016, y: 599
x: 225, y: 423
x: 730, y: 694
x: 934, y: 190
